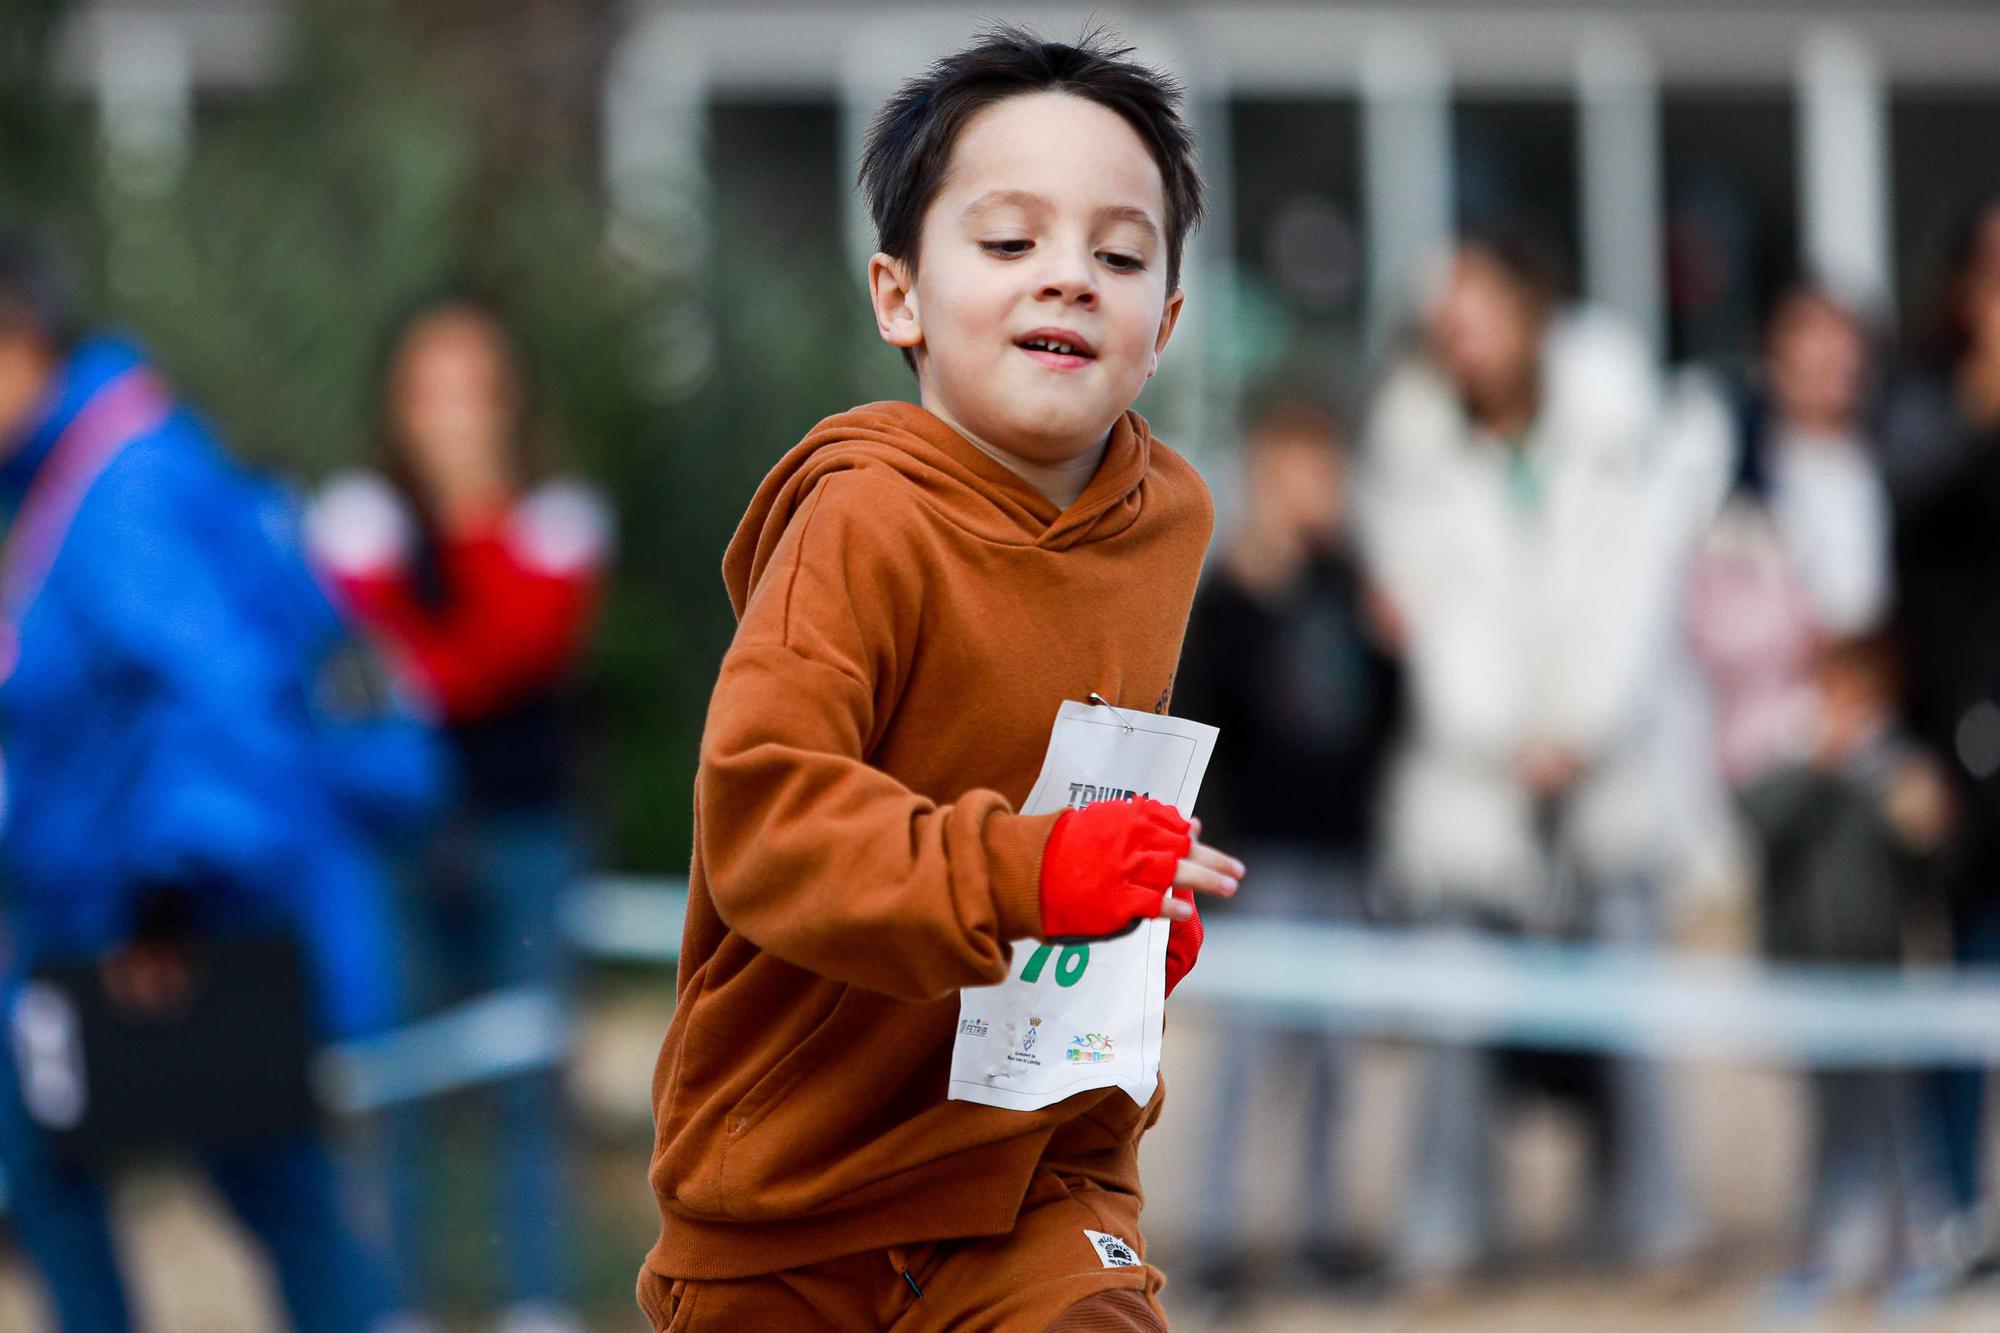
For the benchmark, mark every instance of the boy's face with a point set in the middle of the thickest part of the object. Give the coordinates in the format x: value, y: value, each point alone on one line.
x: 1049, y: 231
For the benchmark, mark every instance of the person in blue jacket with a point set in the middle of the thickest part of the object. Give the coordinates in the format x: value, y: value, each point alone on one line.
x: 173, y: 729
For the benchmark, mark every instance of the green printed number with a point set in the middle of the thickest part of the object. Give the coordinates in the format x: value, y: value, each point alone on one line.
x: 1069, y: 967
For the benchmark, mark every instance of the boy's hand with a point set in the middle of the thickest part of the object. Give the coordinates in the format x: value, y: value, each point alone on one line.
x: 1109, y: 866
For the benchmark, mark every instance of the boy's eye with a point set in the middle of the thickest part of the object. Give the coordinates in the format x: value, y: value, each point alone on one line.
x: 1118, y: 262
x: 1006, y: 248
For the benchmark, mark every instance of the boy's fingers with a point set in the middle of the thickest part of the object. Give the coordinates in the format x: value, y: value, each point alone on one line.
x: 1216, y: 859
x: 1173, y: 909
x: 1204, y: 879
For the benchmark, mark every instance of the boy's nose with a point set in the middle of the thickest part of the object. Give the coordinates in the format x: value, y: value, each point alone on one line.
x: 1071, y: 285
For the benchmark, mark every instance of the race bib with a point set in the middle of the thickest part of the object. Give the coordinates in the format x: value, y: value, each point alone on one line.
x: 1074, y: 1017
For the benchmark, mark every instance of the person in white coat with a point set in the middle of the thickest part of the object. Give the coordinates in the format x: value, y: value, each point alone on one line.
x: 1530, y: 497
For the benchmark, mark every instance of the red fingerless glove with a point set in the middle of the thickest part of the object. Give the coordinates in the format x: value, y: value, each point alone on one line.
x: 1183, y: 942
x: 1109, y: 866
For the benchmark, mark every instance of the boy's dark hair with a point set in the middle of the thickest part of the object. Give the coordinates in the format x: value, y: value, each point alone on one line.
x: 34, y: 298
x: 908, y: 149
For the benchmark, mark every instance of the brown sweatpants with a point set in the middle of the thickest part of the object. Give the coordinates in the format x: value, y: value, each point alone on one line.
x: 1043, y: 1276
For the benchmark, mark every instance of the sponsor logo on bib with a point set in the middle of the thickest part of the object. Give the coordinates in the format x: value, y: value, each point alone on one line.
x: 1089, y: 793
x: 1092, y: 1048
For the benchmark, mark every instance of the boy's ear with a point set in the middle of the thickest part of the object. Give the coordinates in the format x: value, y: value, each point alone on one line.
x: 1169, y: 317
x: 894, y: 295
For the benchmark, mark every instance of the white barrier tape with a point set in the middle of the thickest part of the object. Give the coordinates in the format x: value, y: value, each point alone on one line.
x: 504, y: 1032
x: 1605, y: 998
x: 628, y: 918
x: 1453, y: 986
x: 491, y: 1037
x: 1364, y: 981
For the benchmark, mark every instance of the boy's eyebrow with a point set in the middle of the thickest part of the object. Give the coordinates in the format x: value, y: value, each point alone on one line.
x: 1004, y: 199
x: 1028, y: 200
x: 1129, y: 213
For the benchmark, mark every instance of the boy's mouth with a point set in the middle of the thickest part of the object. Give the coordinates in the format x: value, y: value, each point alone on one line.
x: 1061, y: 349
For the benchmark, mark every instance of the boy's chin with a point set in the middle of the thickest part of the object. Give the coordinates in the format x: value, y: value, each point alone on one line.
x: 1061, y: 410
x: 1057, y: 434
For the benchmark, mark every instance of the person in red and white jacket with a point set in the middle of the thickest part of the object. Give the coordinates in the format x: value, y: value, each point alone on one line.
x: 481, y: 584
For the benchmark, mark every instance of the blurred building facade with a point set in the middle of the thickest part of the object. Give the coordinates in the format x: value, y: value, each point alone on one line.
x: 1674, y: 152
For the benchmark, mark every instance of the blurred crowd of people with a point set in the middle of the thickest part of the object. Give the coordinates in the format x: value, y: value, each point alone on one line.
x: 1544, y: 630
x: 281, y: 772
x: 1491, y: 656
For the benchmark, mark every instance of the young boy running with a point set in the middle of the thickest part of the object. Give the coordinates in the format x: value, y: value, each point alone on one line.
x: 918, y: 590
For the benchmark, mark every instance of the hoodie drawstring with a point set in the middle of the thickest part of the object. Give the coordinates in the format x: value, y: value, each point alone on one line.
x: 899, y: 1260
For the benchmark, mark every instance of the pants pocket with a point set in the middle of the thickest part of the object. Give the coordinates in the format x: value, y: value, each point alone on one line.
x: 664, y: 1301
x: 680, y: 1306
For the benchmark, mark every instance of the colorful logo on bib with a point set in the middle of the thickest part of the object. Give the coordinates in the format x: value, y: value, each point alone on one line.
x: 972, y: 1027
x: 1092, y: 1048
x: 1021, y: 1045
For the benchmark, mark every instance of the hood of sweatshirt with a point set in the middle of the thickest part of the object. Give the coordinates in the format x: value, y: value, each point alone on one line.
x: 964, y: 485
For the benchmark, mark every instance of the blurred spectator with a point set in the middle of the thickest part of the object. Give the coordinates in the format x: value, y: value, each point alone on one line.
x: 480, y: 581
x: 1283, y: 657
x: 1516, y: 514
x: 1942, y: 456
x: 1801, y: 550
x: 184, y: 764
x: 1846, y: 841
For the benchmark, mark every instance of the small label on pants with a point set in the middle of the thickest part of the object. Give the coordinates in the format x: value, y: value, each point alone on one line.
x: 1114, y: 1252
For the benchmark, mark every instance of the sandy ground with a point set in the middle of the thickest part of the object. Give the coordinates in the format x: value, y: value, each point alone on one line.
x: 194, y: 1275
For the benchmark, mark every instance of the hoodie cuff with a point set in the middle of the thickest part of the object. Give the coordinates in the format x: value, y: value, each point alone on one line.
x: 1015, y: 844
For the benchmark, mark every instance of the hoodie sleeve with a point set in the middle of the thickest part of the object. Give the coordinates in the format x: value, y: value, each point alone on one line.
x: 812, y: 853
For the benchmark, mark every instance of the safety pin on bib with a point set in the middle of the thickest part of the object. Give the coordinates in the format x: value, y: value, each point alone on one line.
x: 1103, y: 702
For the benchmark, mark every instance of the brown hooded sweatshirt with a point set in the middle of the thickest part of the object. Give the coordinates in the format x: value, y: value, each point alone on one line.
x: 911, y: 614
